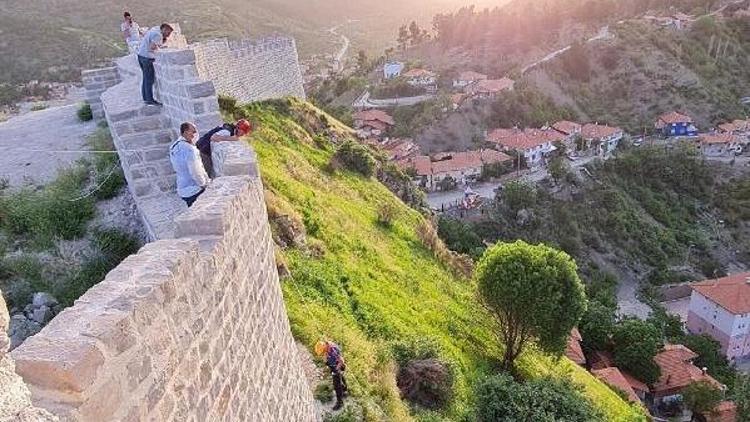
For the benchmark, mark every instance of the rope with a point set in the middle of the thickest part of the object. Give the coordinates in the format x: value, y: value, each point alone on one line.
x: 74, y: 151
x: 99, y: 186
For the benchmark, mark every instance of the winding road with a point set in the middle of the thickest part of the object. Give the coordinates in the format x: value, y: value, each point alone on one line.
x: 338, y: 58
x: 601, y: 35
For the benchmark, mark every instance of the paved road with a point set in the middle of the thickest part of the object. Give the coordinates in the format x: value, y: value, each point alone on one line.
x: 602, y: 34
x: 338, y: 60
x: 26, y: 140
x: 364, y: 101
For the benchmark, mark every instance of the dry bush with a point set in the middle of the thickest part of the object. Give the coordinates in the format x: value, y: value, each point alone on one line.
x: 428, y: 383
x: 460, y: 264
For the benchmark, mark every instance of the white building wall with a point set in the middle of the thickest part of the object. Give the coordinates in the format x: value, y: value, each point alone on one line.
x: 712, y: 313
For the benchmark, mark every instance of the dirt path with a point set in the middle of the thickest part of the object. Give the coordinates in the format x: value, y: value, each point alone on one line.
x: 26, y: 140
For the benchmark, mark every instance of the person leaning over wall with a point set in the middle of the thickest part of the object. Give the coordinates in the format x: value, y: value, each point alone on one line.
x: 224, y: 133
x: 152, y: 41
x: 186, y: 161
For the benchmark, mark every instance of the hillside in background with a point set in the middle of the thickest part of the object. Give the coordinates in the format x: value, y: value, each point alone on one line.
x: 645, y: 71
x: 370, y: 286
x: 51, y: 41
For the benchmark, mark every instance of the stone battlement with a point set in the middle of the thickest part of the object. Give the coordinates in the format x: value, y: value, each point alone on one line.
x: 192, y: 327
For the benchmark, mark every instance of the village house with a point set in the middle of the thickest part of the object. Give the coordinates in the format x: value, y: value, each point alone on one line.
x: 612, y: 376
x: 535, y: 145
x: 490, y: 88
x: 725, y: 411
x: 372, y: 123
x: 467, y: 78
x: 458, y: 100
x: 740, y: 128
x: 677, y: 372
x: 460, y: 166
x: 574, y: 351
x: 720, y: 308
x: 720, y: 144
x: 392, y: 70
x: 678, y: 21
x: 421, y: 77
x: 601, y: 140
x: 570, y: 130
x: 675, y: 124
x: 398, y: 149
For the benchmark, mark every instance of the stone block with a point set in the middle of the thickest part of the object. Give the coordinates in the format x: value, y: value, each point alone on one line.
x: 146, y: 124
x: 123, y: 115
x: 177, y: 57
x: 65, y: 365
x: 201, y: 89
x: 207, y: 121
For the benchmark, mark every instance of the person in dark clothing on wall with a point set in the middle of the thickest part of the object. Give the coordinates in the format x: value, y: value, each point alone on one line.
x: 225, y: 133
x: 335, y: 362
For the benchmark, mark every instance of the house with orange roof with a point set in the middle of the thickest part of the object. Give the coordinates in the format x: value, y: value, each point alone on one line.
x: 574, y: 351
x: 726, y: 411
x: 613, y: 377
x: 720, y: 308
x: 736, y: 127
x: 420, y: 77
x: 677, y: 372
x: 398, y: 149
x: 570, y: 130
x: 602, y: 140
x: 457, y: 100
x: 674, y: 124
x: 467, y: 78
x: 490, y: 88
x: 721, y: 144
x: 460, y: 166
x: 372, y: 123
x: 535, y: 145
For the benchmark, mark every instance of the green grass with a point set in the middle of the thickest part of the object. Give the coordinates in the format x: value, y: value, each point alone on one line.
x: 109, y: 178
x: 377, y: 285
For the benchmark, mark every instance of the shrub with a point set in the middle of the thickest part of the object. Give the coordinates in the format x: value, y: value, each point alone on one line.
x: 386, y: 214
x: 38, y: 107
x: 635, y: 345
x: 84, y: 112
x: 427, y: 383
x: 461, y: 265
x: 414, y: 349
x: 227, y: 104
x: 499, y: 398
x: 324, y: 392
x: 356, y: 158
x: 57, y: 210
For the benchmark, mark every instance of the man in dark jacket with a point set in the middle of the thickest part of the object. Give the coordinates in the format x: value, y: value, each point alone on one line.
x: 224, y: 133
x: 335, y: 362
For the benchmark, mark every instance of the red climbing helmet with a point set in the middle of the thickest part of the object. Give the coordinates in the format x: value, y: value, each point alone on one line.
x: 244, y: 127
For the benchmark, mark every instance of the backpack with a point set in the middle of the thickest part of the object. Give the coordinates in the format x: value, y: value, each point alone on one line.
x: 204, y: 142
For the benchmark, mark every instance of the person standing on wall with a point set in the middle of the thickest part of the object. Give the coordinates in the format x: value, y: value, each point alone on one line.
x: 224, y: 133
x: 335, y: 362
x: 186, y: 161
x: 131, y: 32
x: 151, y: 42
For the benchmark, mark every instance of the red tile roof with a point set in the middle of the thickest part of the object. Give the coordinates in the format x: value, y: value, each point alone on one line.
x: 566, y: 127
x: 677, y: 370
x: 675, y: 117
x: 453, y: 161
x: 397, y: 149
x: 417, y: 73
x: 596, y: 131
x: 491, y: 86
x: 718, y: 138
x: 458, y: 99
x: 735, y: 126
x: 731, y: 292
x: 725, y: 411
x: 600, y: 359
x: 615, y: 379
x: 379, y: 115
x: 635, y: 384
x: 574, y: 351
x: 471, y: 76
x: 523, y: 140
x: 421, y: 164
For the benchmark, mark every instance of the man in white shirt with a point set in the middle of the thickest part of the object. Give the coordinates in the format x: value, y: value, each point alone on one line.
x: 150, y: 44
x: 186, y: 161
x: 131, y: 32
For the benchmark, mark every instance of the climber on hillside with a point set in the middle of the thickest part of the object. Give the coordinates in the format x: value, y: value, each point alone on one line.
x: 186, y: 161
x: 335, y: 362
x: 152, y: 41
x: 224, y: 133
x: 131, y: 32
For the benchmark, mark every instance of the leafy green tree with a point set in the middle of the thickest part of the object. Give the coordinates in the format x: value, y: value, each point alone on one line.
x: 499, y: 398
x: 635, y: 345
x: 403, y: 37
x: 415, y: 33
x: 701, y: 397
x: 742, y: 398
x: 362, y: 61
x: 558, y: 169
x: 460, y: 236
x: 597, y: 325
x: 519, y: 195
x: 535, y: 294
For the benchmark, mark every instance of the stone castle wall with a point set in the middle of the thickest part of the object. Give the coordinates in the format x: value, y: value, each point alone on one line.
x: 251, y: 70
x: 95, y: 82
x: 193, y: 327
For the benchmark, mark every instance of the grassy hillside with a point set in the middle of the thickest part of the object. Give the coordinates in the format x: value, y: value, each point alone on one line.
x: 646, y: 70
x: 366, y: 285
